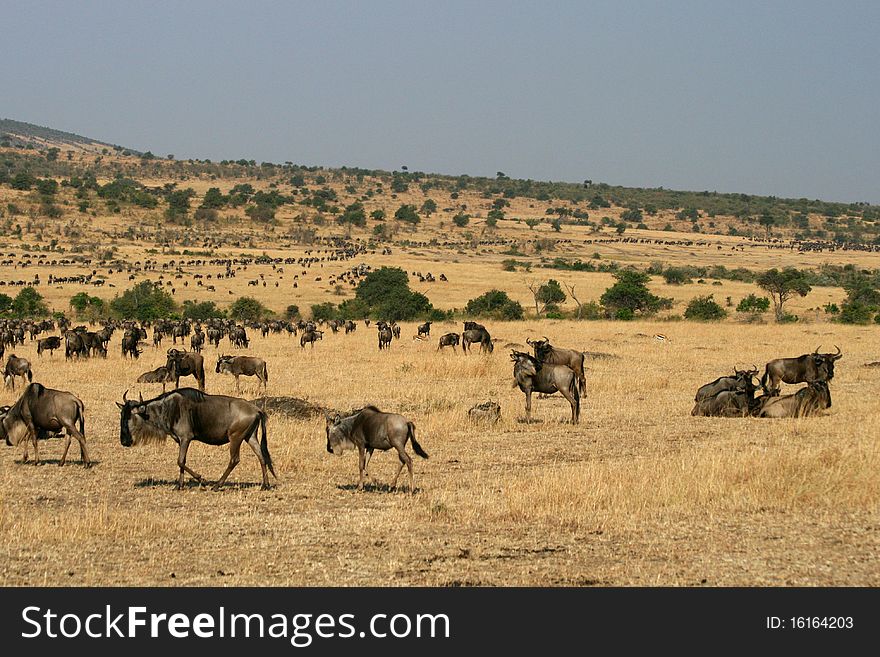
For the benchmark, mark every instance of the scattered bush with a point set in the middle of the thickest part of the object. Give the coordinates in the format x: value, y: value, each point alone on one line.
x: 704, y: 309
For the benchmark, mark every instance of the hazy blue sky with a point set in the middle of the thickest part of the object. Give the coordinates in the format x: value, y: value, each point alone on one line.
x: 768, y: 97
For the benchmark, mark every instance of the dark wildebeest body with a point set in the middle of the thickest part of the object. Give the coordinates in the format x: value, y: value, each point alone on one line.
x: 370, y: 429
x: 809, y: 400
x: 238, y: 337
x: 197, y: 341
x: 74, y: 345
x: 188, y: 414
x: 547, y: 353
x: 738, y: 400
x: 41, y: 411
x: 531, y: 375
x: 476, y: 333
x: 183, y: 363
x: 385, y: 336
x: 16, y: 366
x: 350, y: 327
x: 311, y: 336
x: 803, y: 369
x: 130, y: 344
x: 49, y: 344
x: 425, y: 329
x: 161, y: 374
x: 243, y: 366
x: 449, y: 340
x: 725, y: 383
x: 395, y: 330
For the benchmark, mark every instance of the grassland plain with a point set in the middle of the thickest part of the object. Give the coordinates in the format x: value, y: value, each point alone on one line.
x: 640, y: 493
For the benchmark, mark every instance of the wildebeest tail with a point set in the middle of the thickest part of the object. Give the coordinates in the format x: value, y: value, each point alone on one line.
x: 30, y: 376
x: 81, y: 411
x: 264, y: 445
x: 265, y: 373
x: 411, y: 432
x: 574, y: 388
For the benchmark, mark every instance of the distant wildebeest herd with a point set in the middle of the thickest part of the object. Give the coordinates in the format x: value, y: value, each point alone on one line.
x: 190, y: 414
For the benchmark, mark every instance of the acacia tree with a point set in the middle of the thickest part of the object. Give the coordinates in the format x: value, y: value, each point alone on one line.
x: 782, y: 286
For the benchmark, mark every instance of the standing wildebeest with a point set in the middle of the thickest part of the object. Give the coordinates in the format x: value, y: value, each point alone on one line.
x: 311, y: 336
x: 184, y: 363
x: 370, y: 429
x: 425, y: 329
x: 476, y: 333
x: 16, y: 366
x: 725, y: 383
x: 130, y: 344
x: 243, y: 366
x: 238, y: 337
x: 531, y: 375
x: 161, y: 374
x: 197, y: 341
x: 809, y: 400
x: 385, y: 338
x: 41, y: 411
x: 188, y: 414
x: 547, y: 353
x: 49, y: 344
x: 350, y: 327
x: 806, y: 368
x: 448, y: 340
x: 395, y: 330
x: 74, y: 345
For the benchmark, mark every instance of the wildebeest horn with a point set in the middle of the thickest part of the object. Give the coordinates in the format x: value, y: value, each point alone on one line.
x: 817, y: 349
x: 125, y: 396
x: 529, y: 342
x: 838, y: 354
x: 142, y: 397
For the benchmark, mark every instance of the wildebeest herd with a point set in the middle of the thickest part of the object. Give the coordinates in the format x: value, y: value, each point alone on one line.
x: 190, y: 414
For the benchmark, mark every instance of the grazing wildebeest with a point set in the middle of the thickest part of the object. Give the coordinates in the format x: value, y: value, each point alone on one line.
x: 161, y: 374
x: 803, y: 369
x: 243, y: 366
x: 809, y: 400
x: 197, y: 341
x: 547, y: 353
x: 476, y: 333
x: 41, y: 411
x: 425, y: 329
x: 385, y: 338
x: 238, y: 337
x: 186, y: 363
x: 531, y: 375
x: 735, y: 400
x: 448, y: 340
x: 130, y: 344
x: 310, y: 336
x: 350, y: 327
x: 725, y: 383
x: 16, y: 366
x: 74, y: 345
x: 370, y: 429
x: 49, y: 344
x: 188, y: 414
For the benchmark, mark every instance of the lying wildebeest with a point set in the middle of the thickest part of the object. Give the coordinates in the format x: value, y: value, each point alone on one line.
x: 310, y: 336
x: 243, y: 366
x: 531, y: 375
x: 49, y: 344
x: 385, y: 336
x: 449, y: 340
x: 16, y: 366
x: 370, y: 429
x: 41, y: 411
x: 737, y: 400
x: 475, y: 333
x: 185, y: 363
x: 161, y: 374
x: 803, y: 369
x: 188, y: 414
x: 425, y: 329
x: 547, y: 353
x: 809, y: 400
x: 725, y: 383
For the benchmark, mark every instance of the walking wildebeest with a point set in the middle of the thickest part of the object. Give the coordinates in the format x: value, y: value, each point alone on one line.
x: 448, y: 340
x: 49, y: 344
x: 41, y: 411
x: 425, y: 329
x: 16, y: 366
x: 310, y: 336
x: 531, y: 375
x: 188, y: 414
x: 186, y: 363
x: 809, y: 400
x: 547, y: 353
x: 370, y: 429
x: 243, y: 366
x: 161, y: 374
x: 725, y: 383
x: 476, y: 333
x: 803, y: 369
x: 385, y: 338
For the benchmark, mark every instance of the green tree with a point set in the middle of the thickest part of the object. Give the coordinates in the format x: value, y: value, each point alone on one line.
x: 495, y: 304
x: 323, y: 311
x: 550, y: 294
x: 408, y: 214
x: 631, y: 294
x: 461, y: 219
x: 753, y: 304
x: 767, y: 220
x: 291, y: 312
x: 145, y: 301
x: 201, y: 310
x: 862, y: 301
x: 704, y: 309
x: 378, y: 215
x: 5, y: 303
x: 676, y: 276
x: 531, y: 222
x: 385, y: 294
x: 429, y: 207
x: 354, y: 214
x: 248, y: 309
x: 214, y: 199
x: 782, y: 285
x: 29, y: 303
x: 86, y: 306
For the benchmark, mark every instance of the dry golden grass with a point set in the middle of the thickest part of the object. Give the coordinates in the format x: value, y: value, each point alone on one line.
x: 638, y: 493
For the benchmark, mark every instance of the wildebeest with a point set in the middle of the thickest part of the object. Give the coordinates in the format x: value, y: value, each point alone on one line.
x: 238, y: 337
x: 737, y: 399
x: 547, y: 353
x: 385, y: 336
x: 161, y: 374
x: 186, y: 363
x: 809, y: 400
x: 16, y: 366
x: 448, y: 340
x: 310, y: 336
x: 41, y: 411
x: 476, y: 333
x: 425, y: 329
x: 370, y: 429
x: 74, y: 345
x: 725, y: 383
x: 803, y: 369
x: 188, y: 414
x: 395, y: 330
x: 350, y: 327
x: 197, y: 341
x: 130, y: 344
x: 531, y: 375
x: 243, y: 366
x: 49, y: 344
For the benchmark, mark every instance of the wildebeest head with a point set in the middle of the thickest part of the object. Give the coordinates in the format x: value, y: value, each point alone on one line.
x: 826, y: 360
x: 541, y: 347
x: 4, y: 411
x: 134, y: 422
x: 224, y: 363
x: 338, y: 434
x: 524, y: 363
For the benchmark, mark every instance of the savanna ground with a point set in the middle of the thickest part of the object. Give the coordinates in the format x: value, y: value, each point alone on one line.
x: 640, y: 493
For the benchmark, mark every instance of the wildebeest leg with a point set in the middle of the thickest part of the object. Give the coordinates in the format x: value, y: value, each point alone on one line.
x: 181, y: 463
x: 529, y: 405
x: 407, y: 461
x: 81, y: 439
x: 237, y: 385
x: 362, y: 466
x: 66, y: 447
x: 234, y: 458
x: 255, y: 445
x: 367, y: 462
